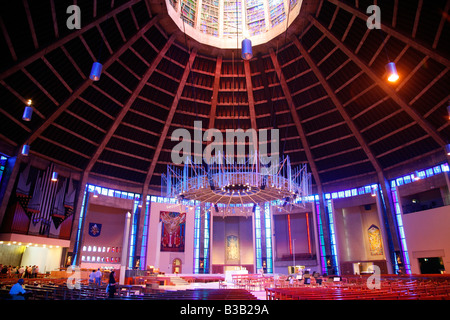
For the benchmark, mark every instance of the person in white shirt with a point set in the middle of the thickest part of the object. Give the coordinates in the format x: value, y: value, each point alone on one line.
x: 98, y: 277
x: 92, y: 279
x: 17, y: 291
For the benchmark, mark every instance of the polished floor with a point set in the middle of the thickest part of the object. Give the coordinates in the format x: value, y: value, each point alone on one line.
x: 260, y: 294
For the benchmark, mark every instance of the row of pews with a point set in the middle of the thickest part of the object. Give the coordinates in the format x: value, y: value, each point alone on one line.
x: 389, y: 289
x: 195, y: 294
x: 60, y: 291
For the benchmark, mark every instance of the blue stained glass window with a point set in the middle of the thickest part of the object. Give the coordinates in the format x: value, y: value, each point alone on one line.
x: 197, y: 221
x: 332, y: 235
x: 145, y: 235
x: 268, y: 233
x: 206, y: 248
x: 277, y: 13
x: 3, y: 160
x: 398, y: 213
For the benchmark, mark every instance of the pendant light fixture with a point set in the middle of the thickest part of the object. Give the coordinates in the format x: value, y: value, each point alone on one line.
x: 54, y: 176
x: 246, y: 44
x: 448, y: 110
x: 96, y: 71
x: 247, y: 52
x: 25, y: 150
x: 391, y: 68
x: 28, y: 112
x: 392, y: 72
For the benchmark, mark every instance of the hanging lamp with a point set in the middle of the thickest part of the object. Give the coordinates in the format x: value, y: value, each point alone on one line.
x: 28, y: 112
x: 96, y: 71
x: 54, y: 176
x: 448, y: 110
x: 25, y: 150
x: 247, y: 52
x: 392, y: 72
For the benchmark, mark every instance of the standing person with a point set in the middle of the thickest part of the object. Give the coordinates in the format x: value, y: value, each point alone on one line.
x: 33, y: 271
x: 111, y: 289
x: 29, y: 271
x: 10, y: 272
x: 98, y: 277
x: 92, y: 278
x: 21, y: 271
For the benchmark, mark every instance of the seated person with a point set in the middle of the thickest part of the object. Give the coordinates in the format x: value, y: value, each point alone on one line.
x: 17, y: 292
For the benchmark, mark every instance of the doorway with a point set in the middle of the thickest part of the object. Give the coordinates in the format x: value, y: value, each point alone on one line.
x: 432, y: 265
x: 176, y: 266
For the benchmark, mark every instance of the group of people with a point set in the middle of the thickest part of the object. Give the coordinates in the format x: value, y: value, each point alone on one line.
x: 95, y: 278
x: 18, y: 292
x: 30, y: 271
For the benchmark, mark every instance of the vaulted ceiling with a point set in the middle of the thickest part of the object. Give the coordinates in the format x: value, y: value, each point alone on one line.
x: 322, y: 83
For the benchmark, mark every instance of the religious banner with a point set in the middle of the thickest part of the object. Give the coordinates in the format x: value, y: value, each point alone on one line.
x: 375, y: 242
x: 94, y: 229
x: 173, y: 231
x: 232, y: 248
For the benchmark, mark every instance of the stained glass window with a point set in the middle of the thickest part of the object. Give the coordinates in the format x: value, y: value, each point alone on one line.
x: 276, y: 12
x: 255, y: 15
x: 188, y: 9
x: 3, y: 160
x: 232, y: 18
x: 210, y: 17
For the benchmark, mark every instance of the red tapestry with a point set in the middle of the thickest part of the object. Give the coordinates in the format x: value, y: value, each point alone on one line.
x: 173, y: 231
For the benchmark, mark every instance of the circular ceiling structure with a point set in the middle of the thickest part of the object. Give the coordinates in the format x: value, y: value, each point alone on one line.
x: 224, y: 24
x: 323, y: 84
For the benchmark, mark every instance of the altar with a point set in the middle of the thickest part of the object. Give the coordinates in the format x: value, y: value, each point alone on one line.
x: 229, y: 274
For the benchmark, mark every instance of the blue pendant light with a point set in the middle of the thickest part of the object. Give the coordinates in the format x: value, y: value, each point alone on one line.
x: 96, y: 71
x: 54, y: 176
x: 25, y: 150
x: 28, y: 112
x: 247, y: 52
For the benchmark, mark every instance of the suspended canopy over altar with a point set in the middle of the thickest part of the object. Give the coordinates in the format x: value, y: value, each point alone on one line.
x: 229, y: 182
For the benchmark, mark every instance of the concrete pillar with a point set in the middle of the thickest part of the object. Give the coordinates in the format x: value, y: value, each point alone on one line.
x: 384, y: 235
x: 125, y: 242
x: 76, y: 218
